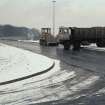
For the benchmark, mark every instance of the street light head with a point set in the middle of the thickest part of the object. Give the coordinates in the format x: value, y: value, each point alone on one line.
x: 53, y: 1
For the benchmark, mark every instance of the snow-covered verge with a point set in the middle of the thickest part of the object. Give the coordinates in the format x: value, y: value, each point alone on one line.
x: 31, y: 41
x: 17, y: 63
x: 94, y: 47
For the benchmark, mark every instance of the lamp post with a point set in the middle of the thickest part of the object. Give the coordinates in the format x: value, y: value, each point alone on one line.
x: 53, y: 19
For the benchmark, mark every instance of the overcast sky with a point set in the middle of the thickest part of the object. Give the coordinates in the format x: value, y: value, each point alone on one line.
x: 38, y: 13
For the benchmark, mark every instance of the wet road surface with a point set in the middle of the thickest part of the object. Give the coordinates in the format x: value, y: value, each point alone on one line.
x: 80, y: 80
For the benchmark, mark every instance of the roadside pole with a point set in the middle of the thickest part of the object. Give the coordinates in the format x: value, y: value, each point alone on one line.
x: 53, y: 17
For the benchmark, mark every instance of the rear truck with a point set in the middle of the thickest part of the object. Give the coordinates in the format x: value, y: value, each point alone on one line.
x: 75, y: 37
x: 46, y: 38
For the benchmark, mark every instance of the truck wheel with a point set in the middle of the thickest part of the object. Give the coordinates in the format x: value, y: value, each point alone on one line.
x: 76, y: 46
x: 100, y: 44
x: 46, y: 44
x: 57, y: 43
x: 43, y: 43
x: 66, y: 45
x: 40, y: 42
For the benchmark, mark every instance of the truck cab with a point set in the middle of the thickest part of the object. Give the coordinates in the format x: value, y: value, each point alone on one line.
x: 47, y: 38
x: 64, y: 34
x: 64, y: 37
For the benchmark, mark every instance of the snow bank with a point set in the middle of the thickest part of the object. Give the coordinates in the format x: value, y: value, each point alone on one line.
x: 17, y: 63
x: 31, y: 41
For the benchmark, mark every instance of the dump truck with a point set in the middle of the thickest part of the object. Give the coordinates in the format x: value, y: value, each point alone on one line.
x: 46, y: 38
x: 75, y: 37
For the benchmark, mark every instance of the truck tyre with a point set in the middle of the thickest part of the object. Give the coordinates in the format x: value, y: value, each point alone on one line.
x: 57, y: 43
x: 76, y: 46
x: 40, y: 42
x: 100, y: 44
x: 66, y: 45
x: 43, y: 43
